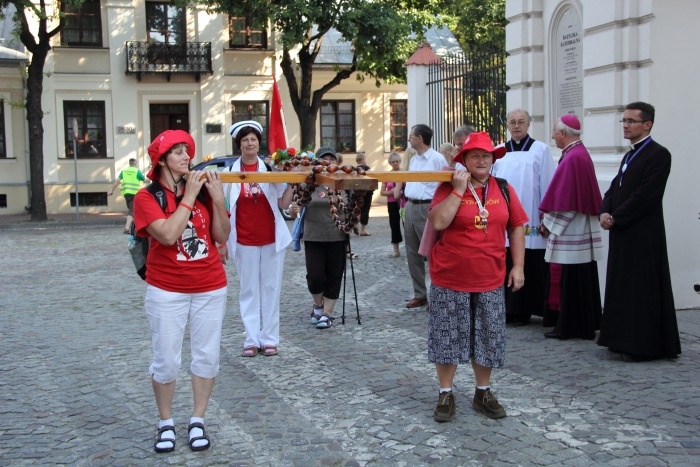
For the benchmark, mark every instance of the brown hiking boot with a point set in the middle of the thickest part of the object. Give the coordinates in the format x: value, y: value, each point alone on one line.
x: 485, y: 401
x: 445, y: 408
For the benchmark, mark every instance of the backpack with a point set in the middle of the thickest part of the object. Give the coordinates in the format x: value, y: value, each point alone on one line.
x: 503, y: 185
x: 139, y: 246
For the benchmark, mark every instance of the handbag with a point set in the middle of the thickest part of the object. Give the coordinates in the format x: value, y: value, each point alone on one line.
x: 298, y: 230
x: 429, y: 238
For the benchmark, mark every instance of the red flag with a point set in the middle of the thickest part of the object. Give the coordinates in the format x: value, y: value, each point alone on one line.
x: 277, y: 134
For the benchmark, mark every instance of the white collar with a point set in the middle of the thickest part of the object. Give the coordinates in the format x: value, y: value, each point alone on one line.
x: 635, y: 144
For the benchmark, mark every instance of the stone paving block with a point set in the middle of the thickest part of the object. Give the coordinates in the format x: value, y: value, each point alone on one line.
x: 77, y: 336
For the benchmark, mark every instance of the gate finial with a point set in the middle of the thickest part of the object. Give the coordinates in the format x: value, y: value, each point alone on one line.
x: 424, y: 56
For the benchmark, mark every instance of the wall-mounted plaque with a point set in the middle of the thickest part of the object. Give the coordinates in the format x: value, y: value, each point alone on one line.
x: 213, y: 128
x: 568, y: 50
x: 126, y: 130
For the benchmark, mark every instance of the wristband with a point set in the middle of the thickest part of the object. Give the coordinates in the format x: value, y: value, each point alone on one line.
x: 456, y: 193
x: 186, y: 206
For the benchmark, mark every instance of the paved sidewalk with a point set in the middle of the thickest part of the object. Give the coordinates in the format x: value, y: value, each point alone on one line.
x: 74, y: 384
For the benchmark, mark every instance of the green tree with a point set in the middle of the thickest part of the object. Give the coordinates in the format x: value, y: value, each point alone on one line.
x: 38, y: 44
x: 382, y: 35
x: 476, y: 23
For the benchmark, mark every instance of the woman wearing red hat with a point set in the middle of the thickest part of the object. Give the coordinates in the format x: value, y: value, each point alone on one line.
x: 185, y: 276
x: 467, y: 320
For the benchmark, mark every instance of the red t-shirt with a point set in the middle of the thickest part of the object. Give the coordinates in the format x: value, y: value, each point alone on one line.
x: 192, y: 264
x: 255, y: 221
x: 469, y: 258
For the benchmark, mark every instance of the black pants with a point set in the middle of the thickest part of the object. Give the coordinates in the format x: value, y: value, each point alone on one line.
x: 364, y: 212
x: 394, y: 221
x: 325, y: 263
x: 530, y: 300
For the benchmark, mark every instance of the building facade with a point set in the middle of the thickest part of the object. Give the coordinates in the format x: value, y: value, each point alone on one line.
x: 592, y: 58
x: 120, y: 72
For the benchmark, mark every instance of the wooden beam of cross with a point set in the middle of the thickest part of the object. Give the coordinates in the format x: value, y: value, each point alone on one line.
x: 338, y: 180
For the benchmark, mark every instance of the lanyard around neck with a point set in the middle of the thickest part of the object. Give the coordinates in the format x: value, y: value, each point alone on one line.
x: 630, y: 157
x: 481, y: 203
x: 512, y: 149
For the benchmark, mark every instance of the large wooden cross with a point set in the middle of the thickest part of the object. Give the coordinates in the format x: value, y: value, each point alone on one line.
x: 338, y: 180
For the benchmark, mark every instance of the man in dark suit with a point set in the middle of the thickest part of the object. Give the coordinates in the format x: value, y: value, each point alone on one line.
x: 639, y: 316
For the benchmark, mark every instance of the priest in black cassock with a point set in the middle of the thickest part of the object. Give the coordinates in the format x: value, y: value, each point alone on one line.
x: 639, y: 315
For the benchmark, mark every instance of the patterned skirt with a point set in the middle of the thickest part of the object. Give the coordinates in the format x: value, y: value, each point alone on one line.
x: 465, y: 325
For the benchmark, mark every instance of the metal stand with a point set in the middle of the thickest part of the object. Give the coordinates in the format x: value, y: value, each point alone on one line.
x: 348, y: 253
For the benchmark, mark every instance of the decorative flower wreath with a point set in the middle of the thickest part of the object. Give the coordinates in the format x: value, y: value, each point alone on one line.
x: 282, y: 155
x: 338, y: 206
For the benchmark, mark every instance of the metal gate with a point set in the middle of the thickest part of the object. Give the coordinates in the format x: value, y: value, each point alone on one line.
x: 468, y: 90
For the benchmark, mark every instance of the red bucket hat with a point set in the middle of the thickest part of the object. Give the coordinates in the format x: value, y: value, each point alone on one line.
x: 480, y: 140
x: 164, y: 142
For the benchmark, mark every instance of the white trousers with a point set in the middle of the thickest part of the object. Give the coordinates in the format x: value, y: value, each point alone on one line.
x: 260, y: 273
x: 168, y: 314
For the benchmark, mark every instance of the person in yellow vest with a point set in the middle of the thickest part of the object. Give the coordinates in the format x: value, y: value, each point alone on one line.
x: 130, y: 179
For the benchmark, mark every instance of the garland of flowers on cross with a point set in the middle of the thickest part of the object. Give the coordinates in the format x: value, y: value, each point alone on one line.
x: 288, y: 160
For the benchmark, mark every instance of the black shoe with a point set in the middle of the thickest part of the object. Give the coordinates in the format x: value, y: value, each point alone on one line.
x: 636, y: 358
x: 517, y: 320
x: 553, y: 335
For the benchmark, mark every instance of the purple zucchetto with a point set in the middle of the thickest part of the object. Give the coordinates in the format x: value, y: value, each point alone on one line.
x: 571, y: 121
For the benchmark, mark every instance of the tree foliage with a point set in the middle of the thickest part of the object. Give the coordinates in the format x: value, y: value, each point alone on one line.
x: 477, y: 22
x: 382, y: 36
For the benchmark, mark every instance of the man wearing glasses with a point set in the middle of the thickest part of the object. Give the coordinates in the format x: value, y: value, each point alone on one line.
x: 419, y: 195
x: 639, y: 317
x: 528, y: 166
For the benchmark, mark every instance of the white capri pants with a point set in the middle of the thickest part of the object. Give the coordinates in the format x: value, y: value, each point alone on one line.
x: 168, y: 314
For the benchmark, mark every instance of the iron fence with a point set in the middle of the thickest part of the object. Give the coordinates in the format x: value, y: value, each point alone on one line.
x: 468, y: 89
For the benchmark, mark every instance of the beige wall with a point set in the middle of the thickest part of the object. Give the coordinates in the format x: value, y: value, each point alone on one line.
x: 99, y: 74
x: 14, y: 169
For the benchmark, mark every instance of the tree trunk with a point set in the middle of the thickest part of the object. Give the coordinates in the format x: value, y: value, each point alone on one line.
x: 305, y: 102
x: 35, y: 115
x: 307, y: 123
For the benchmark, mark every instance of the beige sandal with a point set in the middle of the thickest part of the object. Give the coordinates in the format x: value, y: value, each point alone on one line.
x: 269, y: 350
x: 250, y: 351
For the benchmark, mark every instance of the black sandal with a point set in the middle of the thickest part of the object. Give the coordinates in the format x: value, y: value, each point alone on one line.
x: 159, y: 439
x: 197, y: 438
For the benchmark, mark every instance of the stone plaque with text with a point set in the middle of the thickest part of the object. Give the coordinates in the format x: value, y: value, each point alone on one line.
x: 568, y: 45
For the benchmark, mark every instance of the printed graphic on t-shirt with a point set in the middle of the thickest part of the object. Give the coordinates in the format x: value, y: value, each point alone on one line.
x: 191, y: 247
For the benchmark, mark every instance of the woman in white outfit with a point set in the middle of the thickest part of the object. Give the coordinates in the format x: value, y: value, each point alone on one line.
x: 257, y: 244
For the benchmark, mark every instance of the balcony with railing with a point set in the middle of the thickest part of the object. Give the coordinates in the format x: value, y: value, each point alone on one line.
x: 155, y: 58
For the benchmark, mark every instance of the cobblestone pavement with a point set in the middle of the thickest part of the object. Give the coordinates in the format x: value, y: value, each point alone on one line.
x: 74, y: 384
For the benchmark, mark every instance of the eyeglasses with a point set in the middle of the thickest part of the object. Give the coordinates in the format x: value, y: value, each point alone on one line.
x: 394, y: 162
x: 517, y: 122
x: 631, y: 121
